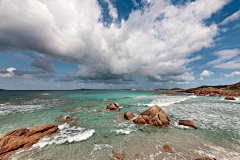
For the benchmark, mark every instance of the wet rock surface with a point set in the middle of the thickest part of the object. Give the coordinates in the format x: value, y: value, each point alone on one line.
x: 128, y: 115
x: 114, y: 106
x: 189, y: 123
x: 23, y: 138
x: 167, y: 149
x: 69, y: 119
x: 230, y: 98
x: 154, y: 116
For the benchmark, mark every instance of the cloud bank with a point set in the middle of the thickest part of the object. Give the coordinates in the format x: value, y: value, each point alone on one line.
x: 156, y: 41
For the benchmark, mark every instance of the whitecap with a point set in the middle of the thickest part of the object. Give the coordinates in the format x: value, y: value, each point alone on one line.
x: 66, y: 134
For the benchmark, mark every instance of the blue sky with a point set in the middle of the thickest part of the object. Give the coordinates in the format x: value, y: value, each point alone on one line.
x: 118, y: 44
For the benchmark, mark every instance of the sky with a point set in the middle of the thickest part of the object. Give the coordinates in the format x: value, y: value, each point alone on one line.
x: 118, y: 44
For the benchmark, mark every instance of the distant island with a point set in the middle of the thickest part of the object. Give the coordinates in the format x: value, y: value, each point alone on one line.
x: 219, y: 90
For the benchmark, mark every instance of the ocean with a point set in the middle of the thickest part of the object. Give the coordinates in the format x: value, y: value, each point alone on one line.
x: 96, y: 132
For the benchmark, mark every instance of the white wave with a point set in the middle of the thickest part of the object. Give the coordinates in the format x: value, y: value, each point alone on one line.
x: 168, y: 100
x: 218, y: 152
x: 66, y: 134
x: 176, y: 125
x: 11, y: 109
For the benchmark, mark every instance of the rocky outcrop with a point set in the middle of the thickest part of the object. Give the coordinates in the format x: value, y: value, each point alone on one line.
x: 189, y: 123
x: 114, y: 106
x: 23, y: 138
x: 230, y: 98
x: 128, y: 115
x: 171, y: 94
x: 167, y: 149
x: 154, y: 116
x: 211, y: 91
x: 118, y: 154
x: 208, y: 158
x: 69, y: 119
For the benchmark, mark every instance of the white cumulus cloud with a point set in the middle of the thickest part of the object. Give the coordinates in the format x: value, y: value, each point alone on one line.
x: 235, y: 73
x: 206, y: 73
x: 154, y: 42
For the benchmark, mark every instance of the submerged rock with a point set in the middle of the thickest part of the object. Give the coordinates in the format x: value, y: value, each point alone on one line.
x: 189, y: 123
x: 154, y: 116
x: 23, y: 138
x: 72, y: 121
x: 118, y: 154
x: 128, y: 115
x: 114, y: 106
x: 230, y: 98
x: 208, y: 158
x: 167, y: 149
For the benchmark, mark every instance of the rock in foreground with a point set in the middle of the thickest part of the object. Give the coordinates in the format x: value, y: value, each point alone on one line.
x: 154, y: 116
x: 114, y: 106
x: 189, y: 123
x: 23, y: 138
x: 128, y: 115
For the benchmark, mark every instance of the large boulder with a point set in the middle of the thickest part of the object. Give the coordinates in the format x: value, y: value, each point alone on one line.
x: 128, y: 115
x: 154, y: 116
x: 114, y: 106
x: 189, y: 123
x: 23, y: 138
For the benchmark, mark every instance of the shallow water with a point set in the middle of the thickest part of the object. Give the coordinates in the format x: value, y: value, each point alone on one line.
x: 96, y: 135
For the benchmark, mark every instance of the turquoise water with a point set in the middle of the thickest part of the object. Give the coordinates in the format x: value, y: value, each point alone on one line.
x: 97, y: 134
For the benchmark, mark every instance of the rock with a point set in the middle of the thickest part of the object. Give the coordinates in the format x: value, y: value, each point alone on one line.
x: 133, y: 90
x: 23, y: 138
x: 118, y: 154
x: 167, y: 149
x: 189, y: 123
x: 173, y: 94
x: 154, y: 116
x: 17, y: 132
x: 128, y: 115
x: 230, y: 98
x: 72, y: 121
x: 208, y: 158
x: 114, y: 106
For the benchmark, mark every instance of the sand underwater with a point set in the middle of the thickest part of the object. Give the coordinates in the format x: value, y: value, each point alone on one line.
x: 95, y: 134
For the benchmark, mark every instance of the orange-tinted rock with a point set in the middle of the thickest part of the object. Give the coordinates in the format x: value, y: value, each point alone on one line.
x: 154, y: 116
x: 230, y: 98
x: 189, y: 123
x: 173, y: 94
x: 167, y: 148
x: 128, y: 115
x: 208, y: 158
x: 118, y: 154
x: 114, y: 106
x: 23, y: 138
x: 17, y: 132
